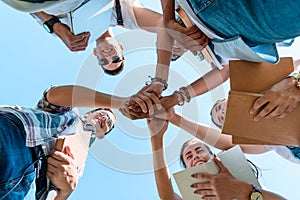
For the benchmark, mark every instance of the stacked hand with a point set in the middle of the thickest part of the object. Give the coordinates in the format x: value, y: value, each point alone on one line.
x: 148, y: 103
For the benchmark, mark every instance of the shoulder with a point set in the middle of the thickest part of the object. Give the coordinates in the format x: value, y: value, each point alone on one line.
x: 45, y: 105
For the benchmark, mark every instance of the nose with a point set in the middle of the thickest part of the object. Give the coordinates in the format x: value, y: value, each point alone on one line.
x: 195, y: 157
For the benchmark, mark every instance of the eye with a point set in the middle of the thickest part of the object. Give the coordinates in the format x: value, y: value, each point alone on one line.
x: 219, y: 107
x: 189, y: 157
x: 109, y: 123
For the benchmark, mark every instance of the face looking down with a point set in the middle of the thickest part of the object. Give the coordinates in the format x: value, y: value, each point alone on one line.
x: 195, y: 153
x: 109, y: 54
x: 102, y: 120
x: 218, y: 112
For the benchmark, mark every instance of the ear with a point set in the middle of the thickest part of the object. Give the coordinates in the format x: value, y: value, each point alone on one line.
x: 95, y: 51
x: 121, y: 47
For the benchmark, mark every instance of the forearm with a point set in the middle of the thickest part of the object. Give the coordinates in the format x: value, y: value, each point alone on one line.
x: 162, y: 175
x: 164, y: 47
x: 209, y: 81
x: 205, y: 133
x: 78, y: 96
x: 42, y: 16
x: 168, y: 7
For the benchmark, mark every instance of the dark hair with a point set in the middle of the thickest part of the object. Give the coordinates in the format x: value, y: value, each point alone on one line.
x: 115, y: 71
x: 216, y: 103
x: 182, y: 163
x: 175, y: 57
x: 256, y: 170
x: 106, y: 109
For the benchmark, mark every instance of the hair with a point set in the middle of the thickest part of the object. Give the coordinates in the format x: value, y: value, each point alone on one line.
x: 115, y: 71
x: 106, y: 109
x: 214, y: 106
x: 175, y: 57
x: 186, y: 144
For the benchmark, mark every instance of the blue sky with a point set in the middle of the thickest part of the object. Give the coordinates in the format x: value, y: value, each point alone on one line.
x: 120, y: 166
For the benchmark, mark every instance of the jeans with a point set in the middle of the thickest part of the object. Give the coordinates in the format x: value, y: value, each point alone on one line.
x: 256, y: 21
x: 15, y: 159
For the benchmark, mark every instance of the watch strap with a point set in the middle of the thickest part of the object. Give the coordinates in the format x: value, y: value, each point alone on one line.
x: 48, y: 25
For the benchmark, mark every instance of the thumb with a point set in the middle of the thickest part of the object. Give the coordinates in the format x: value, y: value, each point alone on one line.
x: 148, y: 121
x: 67, y: 151
x: 221, y: 166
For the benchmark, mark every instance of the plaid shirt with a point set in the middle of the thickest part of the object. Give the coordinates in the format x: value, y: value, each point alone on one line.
x: 45, y: 121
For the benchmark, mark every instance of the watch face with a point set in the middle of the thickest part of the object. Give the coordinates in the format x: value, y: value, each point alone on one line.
x: 256, y: 196
x: 46, y: 28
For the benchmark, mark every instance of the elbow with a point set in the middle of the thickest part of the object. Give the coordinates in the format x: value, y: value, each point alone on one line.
x: 225, y: 72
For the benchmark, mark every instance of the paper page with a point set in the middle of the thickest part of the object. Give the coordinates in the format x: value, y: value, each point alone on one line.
x: 233, y: 159
x: 78, y: 143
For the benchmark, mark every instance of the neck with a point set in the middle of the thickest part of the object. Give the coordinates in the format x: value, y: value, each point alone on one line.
x: 104, y: 36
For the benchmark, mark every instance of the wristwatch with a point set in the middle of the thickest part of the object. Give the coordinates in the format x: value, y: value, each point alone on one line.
x: 48, y: 25
x: 256, y: 193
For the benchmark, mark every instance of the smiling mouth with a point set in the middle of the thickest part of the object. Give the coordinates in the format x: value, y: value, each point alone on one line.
x: 199, y: 162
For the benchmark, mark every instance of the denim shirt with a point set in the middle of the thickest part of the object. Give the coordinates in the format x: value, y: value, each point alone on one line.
x: 249, y: 29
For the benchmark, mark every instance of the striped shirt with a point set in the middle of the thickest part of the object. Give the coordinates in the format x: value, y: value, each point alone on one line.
x: 45, y: 121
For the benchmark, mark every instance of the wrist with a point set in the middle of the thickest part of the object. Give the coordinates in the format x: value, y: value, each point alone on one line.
x: 158, y: 81
x: 159, y: 85
x: 169, y: 101
x: 63, y: 195
x: 49, y: 24
x: 156, y: 142
x: 57, y: 27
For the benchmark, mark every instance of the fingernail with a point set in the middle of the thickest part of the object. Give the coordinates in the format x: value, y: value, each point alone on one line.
x: 256, y: 119
x: 251, y: 112
x: 192, y: 186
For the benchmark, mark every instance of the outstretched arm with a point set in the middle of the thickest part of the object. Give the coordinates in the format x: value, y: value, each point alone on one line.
x: 164, y: 43
x: 212, y: 136
x: 202, y: 85
x: 157, y: 129
x: 79, y: 96
x: 73, y: 42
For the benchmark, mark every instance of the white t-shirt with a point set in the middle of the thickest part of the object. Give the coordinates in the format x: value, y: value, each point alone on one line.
x: 63, y: 7
x: 284, y: 152
x: 128, y: 14
x: 127, y: 7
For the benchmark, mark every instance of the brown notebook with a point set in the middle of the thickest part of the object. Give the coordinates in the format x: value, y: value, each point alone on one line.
x: 248, y: 80
x: 78, y: 143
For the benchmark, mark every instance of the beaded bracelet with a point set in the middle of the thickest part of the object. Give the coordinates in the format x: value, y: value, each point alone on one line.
x: 180, y: 97
x: 186, y: 93
x: 158, y: 79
